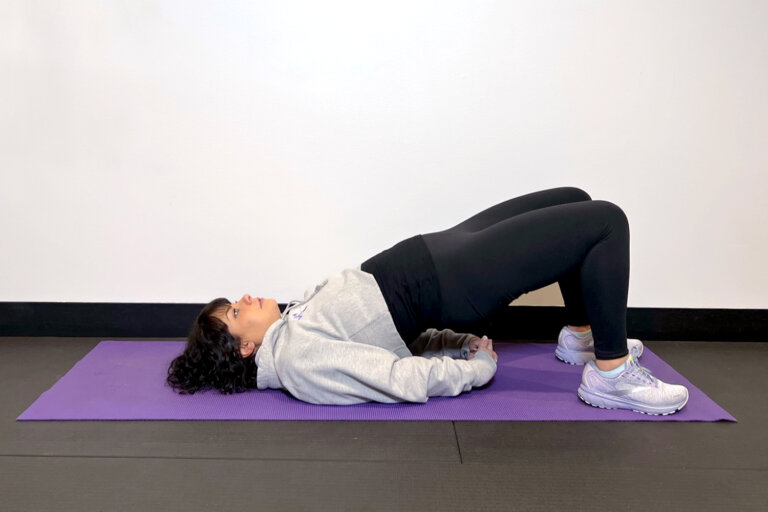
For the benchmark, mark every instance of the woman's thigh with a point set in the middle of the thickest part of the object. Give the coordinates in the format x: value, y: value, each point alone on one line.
x: 521, y: 204
x: 482, y: 271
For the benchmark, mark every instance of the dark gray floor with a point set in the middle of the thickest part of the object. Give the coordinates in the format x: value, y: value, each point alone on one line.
x: 312, y: 465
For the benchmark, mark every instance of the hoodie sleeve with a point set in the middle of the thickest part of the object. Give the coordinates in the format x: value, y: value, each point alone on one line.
x: 326, y: 371
x: 434, y: 343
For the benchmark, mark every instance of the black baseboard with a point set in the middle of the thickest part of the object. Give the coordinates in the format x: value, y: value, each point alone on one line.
x: 83, y: 319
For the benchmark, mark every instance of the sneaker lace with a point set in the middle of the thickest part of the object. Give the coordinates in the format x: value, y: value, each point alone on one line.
x: 644, y: 373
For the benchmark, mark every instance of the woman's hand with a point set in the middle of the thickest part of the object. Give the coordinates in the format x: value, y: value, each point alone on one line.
x: 485, y: 344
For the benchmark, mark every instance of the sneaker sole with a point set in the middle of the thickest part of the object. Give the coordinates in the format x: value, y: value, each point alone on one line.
x: 572, y: 356
x: 604, y: 402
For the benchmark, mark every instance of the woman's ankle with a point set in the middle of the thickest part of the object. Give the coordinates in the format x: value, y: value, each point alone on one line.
x: 609, y: 364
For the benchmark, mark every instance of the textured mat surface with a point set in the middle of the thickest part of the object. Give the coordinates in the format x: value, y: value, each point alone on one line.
x: 125, y: 380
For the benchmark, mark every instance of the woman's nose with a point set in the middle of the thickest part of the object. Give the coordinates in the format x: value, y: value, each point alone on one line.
x: 247, y: 298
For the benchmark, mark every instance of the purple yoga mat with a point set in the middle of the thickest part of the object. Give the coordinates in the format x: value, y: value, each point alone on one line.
x: 125, y: 380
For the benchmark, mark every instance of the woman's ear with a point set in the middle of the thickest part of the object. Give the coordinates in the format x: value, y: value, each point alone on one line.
x: 246, y: 349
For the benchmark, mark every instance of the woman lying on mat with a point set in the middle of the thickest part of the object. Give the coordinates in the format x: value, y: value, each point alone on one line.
x: 382, y: 331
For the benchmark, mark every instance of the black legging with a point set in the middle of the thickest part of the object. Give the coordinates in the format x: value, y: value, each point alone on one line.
x: 523, y: 244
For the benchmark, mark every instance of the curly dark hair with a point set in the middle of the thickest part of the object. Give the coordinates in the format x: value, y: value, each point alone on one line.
x: 212, y: 357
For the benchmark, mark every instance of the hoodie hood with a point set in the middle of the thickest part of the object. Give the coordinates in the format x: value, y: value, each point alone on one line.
x: 264, y: 357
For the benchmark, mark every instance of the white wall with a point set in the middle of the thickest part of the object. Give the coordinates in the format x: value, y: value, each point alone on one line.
x: 178, y: 151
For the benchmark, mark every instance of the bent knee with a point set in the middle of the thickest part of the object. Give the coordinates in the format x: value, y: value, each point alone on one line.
x: 577, y: 194
x: 613, y: 210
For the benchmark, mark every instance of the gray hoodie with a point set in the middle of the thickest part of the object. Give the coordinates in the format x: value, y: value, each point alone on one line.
x: 340, y: 346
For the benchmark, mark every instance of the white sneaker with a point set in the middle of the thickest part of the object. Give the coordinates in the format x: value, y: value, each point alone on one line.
x: 574, y: 350
x: 635, y: 388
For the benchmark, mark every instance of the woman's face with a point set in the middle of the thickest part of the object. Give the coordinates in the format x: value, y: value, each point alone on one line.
x: 248, y: 320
